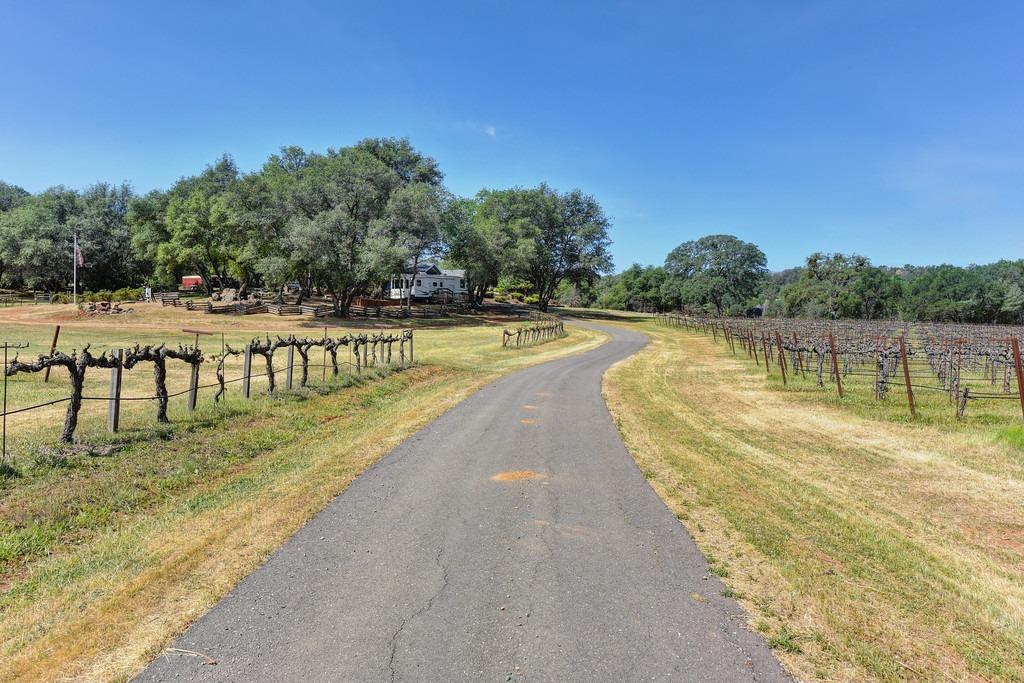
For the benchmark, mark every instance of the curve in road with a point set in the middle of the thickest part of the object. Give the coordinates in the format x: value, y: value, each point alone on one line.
x: 511, y: 539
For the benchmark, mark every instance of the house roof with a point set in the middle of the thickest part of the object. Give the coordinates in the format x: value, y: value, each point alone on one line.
x: 433, y: 269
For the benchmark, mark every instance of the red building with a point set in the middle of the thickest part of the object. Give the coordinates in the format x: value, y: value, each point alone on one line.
x: 192, y: 282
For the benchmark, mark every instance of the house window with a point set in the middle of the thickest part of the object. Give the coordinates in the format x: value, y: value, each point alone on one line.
x: 462, y: 284
x: 419, y: 283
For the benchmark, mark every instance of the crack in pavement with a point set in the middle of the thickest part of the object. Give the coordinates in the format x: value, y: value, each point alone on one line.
x: 422, y: 610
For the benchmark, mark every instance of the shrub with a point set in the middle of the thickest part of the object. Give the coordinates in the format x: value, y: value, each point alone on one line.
x: 510, y: 284
x: 60, y: 299
x: 96, y: 297
x: 501, y: 298
x: 518, y: 296
x: 128, y: 294
x: 533, y: 299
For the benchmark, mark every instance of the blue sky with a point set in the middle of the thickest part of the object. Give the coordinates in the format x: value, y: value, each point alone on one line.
x: 890, y: 129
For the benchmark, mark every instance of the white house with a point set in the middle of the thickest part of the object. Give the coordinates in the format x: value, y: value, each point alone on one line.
x: 428, y: 281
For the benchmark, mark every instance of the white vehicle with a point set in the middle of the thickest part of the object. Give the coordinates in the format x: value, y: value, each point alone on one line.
x: 428, y: 282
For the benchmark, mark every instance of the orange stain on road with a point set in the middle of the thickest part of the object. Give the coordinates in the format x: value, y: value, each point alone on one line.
x: 518, y: 475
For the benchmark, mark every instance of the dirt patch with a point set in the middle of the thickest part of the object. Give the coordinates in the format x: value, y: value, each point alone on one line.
x: 518, y: 475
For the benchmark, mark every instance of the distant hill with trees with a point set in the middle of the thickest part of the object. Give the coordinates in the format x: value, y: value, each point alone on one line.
x: 721, y: 274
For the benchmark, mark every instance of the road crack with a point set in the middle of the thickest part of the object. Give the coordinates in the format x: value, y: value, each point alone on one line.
x: 422, y: 610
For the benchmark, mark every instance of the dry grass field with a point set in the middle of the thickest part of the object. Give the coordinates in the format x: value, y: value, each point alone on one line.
x: 103, y: 558
x: 864, y: 546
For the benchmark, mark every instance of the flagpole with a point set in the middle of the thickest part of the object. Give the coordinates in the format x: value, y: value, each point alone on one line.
x: 74, y: 270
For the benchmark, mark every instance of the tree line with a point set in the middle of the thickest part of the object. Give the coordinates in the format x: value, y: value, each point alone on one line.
x: 340, y: 223
x: 721, y: 274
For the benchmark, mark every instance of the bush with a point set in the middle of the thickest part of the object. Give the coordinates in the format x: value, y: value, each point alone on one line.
x: 98, y: 296
x: 533, y: 299
x: 518, y: 296
x: 501, y: 298
x: 510, y: 284
x: 60, y: 299
x: 128, y: 294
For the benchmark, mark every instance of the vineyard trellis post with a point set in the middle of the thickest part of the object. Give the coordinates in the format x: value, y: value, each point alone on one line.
x: 114, y: 404
x: 764, y: 350
x: 1015, y: 345
x: 193, y: 387
x: 782, y: 357
x: 323, y: 378
x: 290, y: 371
x: 906, y: 377
x: 246, y: 370
x: 3, y: 438
x: 835, y: 363
x: 799, y: 356
x: 53, y: 347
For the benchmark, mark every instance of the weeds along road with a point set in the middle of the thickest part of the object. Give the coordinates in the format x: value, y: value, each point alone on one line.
x: 511, y: 539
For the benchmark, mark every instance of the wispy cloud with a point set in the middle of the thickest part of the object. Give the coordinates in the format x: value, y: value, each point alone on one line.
x: 488, y: 129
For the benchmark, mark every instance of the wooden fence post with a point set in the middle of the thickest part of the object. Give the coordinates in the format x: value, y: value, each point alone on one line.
x: 290, y: 372
x: 53, y: 347
x: 799, y: 356
x: 193, y: 388
x: 246, y: 370
x: 906, y: 377
x: 764, y: 350
x: 782, y: 357
x: 114, y: 405
x: 835, y: 363
x: 1020, y: 372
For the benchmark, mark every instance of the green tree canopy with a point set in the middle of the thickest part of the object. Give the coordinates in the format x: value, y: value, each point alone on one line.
x: 37, y: 235
x: 11, y: 196
x: 561, y: 237
x: 716, y: 270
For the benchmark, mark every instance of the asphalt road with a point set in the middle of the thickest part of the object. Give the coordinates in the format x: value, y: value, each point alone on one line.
x: 428, y: 568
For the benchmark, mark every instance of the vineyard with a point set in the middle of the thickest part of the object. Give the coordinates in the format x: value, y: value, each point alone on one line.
x: 971, y: 367
x: 538, y: 332
x: 359, y: 352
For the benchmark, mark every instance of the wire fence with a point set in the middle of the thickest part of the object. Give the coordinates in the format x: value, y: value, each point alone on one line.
x: 358, y: 354
x: 954, y: 359
x: 541, y: 331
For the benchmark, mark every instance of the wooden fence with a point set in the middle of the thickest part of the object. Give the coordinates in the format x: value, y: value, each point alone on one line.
x: 316, y: 310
